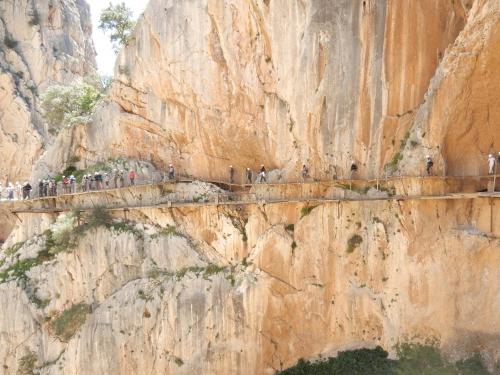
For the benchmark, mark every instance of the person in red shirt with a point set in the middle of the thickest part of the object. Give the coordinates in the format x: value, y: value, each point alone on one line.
x: 131, y: 176
x: 65, y: 181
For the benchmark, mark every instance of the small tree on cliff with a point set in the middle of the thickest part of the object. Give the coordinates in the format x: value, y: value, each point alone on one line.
x: 68, y: 105
x: 118, y: 20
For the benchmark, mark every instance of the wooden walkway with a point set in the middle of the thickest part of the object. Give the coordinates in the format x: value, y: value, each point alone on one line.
x: 234, y: 194
x: 308, y: 200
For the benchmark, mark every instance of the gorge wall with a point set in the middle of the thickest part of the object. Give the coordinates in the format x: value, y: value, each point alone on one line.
x: 208, y: 84
x: 221, y: 290
x: 41, y: 43
x: 253, y: 288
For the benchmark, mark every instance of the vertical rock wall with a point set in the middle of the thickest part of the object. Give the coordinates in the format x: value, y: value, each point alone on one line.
x: 210, y: 83
x: 41, y: 43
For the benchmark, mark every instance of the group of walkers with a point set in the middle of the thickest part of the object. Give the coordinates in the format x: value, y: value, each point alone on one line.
x: 116, y: 179
x: 91, y: 182
x: 16, y: 191
x: 492, y: 163
x: 262, y: 175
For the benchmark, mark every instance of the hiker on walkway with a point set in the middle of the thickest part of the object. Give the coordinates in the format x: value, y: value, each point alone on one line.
x: 65, y: 181
x: 40, y: 188
x: 428, y: 165
x: 171, y: 172
x: 10, y: 191
x: 354, y: 169
x: 88, y: 182
x: 26, y: 190
x: 72, y: 184
x: 115, y: 178
x: 498, y: 160
x: 19, y: 191
x: 231, y: 174
x: 45, y: 189
x: 106, y: 180
x: 262, y: 174
x: 131, y: 177
x: 121, y: 176
x: 304, y: 173
x: 249, y: 175
x: 98, y: 180
x: 83, y: 183
x: 491, y: 164
x: 53, y: 188
x: 50, y: 188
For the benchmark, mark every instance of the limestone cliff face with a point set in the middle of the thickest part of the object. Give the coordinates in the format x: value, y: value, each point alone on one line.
x: 216, y: 290
x: 459, y: 121
x: 41, y: 43
x: 211, y: 83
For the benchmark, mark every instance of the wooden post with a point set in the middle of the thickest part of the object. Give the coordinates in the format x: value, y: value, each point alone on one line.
x: 495, y: 177
x: 491, y: 215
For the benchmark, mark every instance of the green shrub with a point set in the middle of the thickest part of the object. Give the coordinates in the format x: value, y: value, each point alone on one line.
x: 125, y: 227
x: 472, y: 366
x: 101, y: 166
x: 69, y: 321
x: 18, y: 270
x: 231, y: 279
x: 35, y: 18
x: 413, y: 359
x: 355, y: 362
x: 169, y: 231
x: 353, y: 242
x: 240, y: 224
x: 200, y: 198
x: 392, y: 166
x: 144, y: 296
x: 213, y: 269
x: 99, y: 216
x: 9, y: 41
x: 206, y: 272
x: 179, y: 362
x: 156, y: 273
x: 404, y: 140
x: 290, y: 227
x: 306, y: 210
x: 184, y: 271
x: 61, y: 237
x: 14, y: 248
x: 26, y: 364
x: 294, y: 245
x: 38, y: 302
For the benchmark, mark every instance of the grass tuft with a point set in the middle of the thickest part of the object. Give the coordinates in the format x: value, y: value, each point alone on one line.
x: 304, y: 211
x: 353, y: 243
x: 69, y: 321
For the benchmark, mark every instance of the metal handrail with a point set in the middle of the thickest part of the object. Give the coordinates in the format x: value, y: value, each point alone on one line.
x: 77, y: 189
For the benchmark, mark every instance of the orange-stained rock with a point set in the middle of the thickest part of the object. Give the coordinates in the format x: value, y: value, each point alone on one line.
x: 208, y: 84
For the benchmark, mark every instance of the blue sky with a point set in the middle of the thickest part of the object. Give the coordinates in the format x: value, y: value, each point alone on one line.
x: 105, y: 55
